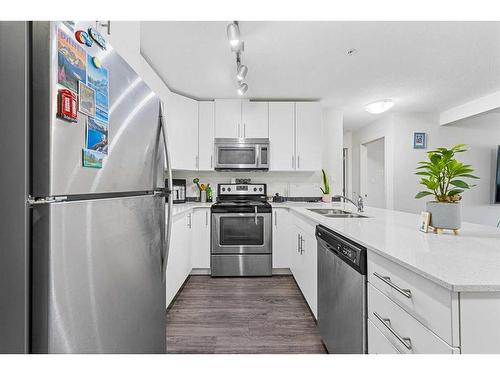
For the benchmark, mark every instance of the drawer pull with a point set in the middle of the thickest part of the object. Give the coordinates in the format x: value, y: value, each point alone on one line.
x: 387, y: 280
x: 406, y: 341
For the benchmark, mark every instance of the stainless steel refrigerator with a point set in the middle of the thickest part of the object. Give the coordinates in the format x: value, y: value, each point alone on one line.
x: 84, y: 250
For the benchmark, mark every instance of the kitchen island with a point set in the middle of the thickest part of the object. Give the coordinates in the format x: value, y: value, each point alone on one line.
x: 442, y: 291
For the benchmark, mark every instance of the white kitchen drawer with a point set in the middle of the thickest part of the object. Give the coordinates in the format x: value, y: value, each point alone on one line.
x: 378, y: 343
x: 406, y: 330
x: 431, y: 304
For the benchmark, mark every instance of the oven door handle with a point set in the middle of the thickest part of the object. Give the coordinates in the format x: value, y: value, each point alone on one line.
x: 255, y: 215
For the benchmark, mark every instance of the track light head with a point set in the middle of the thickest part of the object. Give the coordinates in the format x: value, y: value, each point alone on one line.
x: 243, y: 87
x: 241, y: 72
x: 233, y: 35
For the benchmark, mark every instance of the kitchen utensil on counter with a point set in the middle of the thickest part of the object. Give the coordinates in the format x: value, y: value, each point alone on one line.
x: 277, y: 198
x: 178, y: 190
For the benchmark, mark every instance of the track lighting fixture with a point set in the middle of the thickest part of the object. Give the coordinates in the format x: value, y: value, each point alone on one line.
x: 237, y: 46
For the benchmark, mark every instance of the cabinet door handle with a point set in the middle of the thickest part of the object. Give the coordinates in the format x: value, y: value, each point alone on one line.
x: 244, y: 130
x: 211, y: 161
x: 298, y: 162
x: 406, y: 341
x: 298, y: 243
x: 293, y: 161
x: 387, y: 280
x: 197, y: 161
x: 239, y: 130
x: 275, y: 219
x: 301, y: 244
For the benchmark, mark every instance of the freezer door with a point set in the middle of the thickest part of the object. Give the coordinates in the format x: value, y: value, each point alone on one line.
x: 97, y: 281
x: 135, y: 159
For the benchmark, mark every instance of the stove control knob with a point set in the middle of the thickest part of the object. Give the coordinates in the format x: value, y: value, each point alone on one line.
x: 228, y: 189
x: 254, y: 189
x: 223, y: 189
x: 260, y: 189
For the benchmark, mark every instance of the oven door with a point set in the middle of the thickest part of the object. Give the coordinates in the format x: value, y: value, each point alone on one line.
x: 236, y: 156
x: 241, y: 233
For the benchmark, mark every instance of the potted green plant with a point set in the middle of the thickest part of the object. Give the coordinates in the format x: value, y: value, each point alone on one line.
x: 327, y: 197
x: 443, y: 176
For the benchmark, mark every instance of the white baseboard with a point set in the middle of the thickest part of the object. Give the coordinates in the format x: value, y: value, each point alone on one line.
x: 206, y: 271
x: 282, y: 271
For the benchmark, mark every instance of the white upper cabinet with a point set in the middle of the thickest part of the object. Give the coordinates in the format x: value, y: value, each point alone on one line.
x: 255, y: 120
x: 182, y: 125
x: 206, y: 113
x: 282, y: 136
x: 228, y: 118
x: 308, y: 137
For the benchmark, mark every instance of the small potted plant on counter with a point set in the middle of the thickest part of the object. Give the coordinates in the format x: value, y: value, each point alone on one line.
x: 443, y: 176
x: 327, y: 197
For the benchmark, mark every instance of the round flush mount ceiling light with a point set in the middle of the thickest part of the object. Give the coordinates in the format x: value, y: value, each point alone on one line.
x: 379, y: 106
x: 242, y: 72
x: 242, y: 88
x: 233, y: 34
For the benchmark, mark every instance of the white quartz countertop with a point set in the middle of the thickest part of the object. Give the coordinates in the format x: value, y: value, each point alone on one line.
x: 469, y: 261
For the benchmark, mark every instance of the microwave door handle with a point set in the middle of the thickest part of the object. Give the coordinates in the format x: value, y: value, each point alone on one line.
x: 257, y: 156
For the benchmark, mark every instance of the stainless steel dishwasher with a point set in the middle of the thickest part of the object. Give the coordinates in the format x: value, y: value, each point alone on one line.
x: 341, y: 293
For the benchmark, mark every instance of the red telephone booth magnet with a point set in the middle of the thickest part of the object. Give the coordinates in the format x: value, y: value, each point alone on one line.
x: 67, y: 105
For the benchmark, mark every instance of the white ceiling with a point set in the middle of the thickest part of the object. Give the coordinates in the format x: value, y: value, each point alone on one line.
x: 423, y: 66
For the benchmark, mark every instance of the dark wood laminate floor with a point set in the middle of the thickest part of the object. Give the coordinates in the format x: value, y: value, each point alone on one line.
x: 241, y: 315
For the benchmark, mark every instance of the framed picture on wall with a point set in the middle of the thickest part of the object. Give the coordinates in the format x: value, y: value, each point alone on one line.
x: 419, y: 140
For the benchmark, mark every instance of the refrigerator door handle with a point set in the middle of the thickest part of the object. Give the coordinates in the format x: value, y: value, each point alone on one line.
x: 168, y: 193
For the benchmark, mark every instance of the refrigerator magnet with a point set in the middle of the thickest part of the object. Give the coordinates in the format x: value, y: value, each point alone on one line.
x: 86, y: 99
x: 71, y: 61
x: 98, y: 79
x: 91, y: 158
x: 67, y: 105
x: 96, y: 62
x: 83, y: 38
x: 96, y: 136
x: 98, y: 38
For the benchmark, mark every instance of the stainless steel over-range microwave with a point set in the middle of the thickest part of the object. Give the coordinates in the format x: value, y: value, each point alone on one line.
x: 241, y: 154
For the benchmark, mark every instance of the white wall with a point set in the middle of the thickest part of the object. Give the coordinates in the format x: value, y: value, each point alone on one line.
x: 332, y: 147
x: 481, y: 133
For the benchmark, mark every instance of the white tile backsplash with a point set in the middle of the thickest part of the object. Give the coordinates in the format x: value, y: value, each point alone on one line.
x: 288, y: 184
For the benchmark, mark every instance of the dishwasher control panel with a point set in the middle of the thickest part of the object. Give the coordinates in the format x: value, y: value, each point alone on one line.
x: 352, y: 253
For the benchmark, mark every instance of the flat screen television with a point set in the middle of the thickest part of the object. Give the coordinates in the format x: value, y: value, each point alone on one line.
x: 497, y: 192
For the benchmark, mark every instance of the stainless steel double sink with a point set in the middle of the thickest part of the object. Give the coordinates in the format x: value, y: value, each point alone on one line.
x: 333, y: 212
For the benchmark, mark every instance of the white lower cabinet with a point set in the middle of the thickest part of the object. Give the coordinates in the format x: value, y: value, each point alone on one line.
x: 304, y: 261
x: 378, y: 343
x: 200, y: 248
x: 179, y: 257
x: 404, y: 332
x: 282, y: 242
x: 189, y: 249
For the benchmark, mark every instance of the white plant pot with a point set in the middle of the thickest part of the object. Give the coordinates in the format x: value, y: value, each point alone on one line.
x: 327, y: 198
x: 445, y: 215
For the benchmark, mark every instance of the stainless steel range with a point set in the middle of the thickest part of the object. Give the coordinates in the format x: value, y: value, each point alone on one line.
x: 241, y: 243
